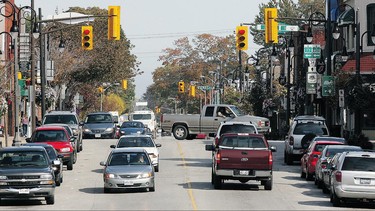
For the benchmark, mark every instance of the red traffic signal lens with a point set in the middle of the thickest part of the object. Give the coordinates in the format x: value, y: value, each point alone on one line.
x: 86, y: 31
x: 241, y: 31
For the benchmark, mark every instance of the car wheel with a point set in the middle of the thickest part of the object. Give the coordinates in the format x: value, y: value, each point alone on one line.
x: 180, y: 132
x: 289, y: 160
x: 309, y: 177
x: 69, y: 165
x: 152, y: 189
x: 268, y: 184
x: 107, y: 190
x: 325, y: 189
x: 74, y: 157
x: 58, y: 182
x: 217, y: 182
x: 81, y: 146
x: 61, y: 180
x: 285, y: 157
x: 335, y: 200
x: 303, y: 174
x: 156, y: 168
x: 50, y: 200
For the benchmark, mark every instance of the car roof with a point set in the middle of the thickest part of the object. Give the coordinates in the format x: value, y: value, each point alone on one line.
x: 94, y: 113
x: 22, y: 148
x: 56, y: 124
x: 49, y: 127
x: 343, y: 146
x: 309, y: 117
x: 61, y: 113
x: 328, y: 142
x: 236, y: 122
x: 129, y: 149
x: 136, y: 135
x: 328, y: 138
x: 38, y: 144
x: 359, y: 154
x: 242, y: 134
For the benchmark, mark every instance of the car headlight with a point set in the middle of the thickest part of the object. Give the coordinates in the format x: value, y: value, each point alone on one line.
x: 46, y: 176
x: 3, y: 177
x: 75, y: 132
x: 144, y: 175
x: 66, y: 149
x: 109, y: 130
x: 110, y: 176
x: 87, y: 130
x: 152, y: 155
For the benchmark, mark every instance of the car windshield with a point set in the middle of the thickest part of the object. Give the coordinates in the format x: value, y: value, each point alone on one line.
x: 236, y: 111
x: 135, y: 142
x: 132, y: 125
x: 141, y: 116
x: 332, y: 152
x: 128, y: 158
x: 248, y: 142
x: 63, y: 119
x: 23, y: 158
x: 237, y: 128
x: 319, y: 147
x: 310, y: 127
x: 359, y: 164
x: 99, y: 118
x: 49, y: 136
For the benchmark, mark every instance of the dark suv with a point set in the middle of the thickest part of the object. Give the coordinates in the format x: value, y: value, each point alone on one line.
x: 26, y: 172
x: 69, y: 118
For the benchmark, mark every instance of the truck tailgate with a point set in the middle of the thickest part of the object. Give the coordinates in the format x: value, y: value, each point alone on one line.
x: 238, y: 158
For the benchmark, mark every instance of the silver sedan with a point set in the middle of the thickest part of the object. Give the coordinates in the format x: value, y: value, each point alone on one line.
x: 128, y: 168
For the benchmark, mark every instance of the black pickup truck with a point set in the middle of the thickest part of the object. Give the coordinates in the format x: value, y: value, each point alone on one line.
x: 26, y: 172
x: 243, y: 157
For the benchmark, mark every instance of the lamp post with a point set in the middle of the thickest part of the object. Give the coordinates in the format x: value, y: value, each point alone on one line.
x: 290, y: 49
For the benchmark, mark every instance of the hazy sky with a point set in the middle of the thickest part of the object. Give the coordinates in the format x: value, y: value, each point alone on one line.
x: 153, y: 25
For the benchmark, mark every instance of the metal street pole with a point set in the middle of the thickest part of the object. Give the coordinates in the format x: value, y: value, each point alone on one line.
x: 328, y: 111
x: 357, y: 113
x: 101, y: 101
x: 16, y: 141
x: 42, y: 65
x: 287, y: 116
x: 32, y: 67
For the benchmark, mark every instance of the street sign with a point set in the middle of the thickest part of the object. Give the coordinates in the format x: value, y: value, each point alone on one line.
x: 311, y: 51
x: 328, y: 86
x: 282, y: 28
x: 311, y: 83
x: 203, y: 88
x: 341, y: 98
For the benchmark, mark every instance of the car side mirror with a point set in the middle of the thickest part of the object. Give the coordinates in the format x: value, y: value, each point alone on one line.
x: 60, y: 156
x: 28, y: 140
x: 81, y: 123
x: 72, y: 139
x: 113, y: 146
x: 102, y: 163
x: 333, y: 167
x: 273, y: 149
x: 158, y: 145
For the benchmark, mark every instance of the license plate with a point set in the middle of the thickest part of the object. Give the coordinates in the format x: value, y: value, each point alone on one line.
x: 23, y: 191
x: 97, y: 135
x: 242, y: 172
x: 364, y: 181
x: 128, y: 183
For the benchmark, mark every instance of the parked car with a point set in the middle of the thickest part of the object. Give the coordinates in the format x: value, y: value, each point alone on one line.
x: 327, y: 175
x: 53, y: 156
x: 309, y: 159
x: 26, y: 172
x: 235, y: 127
x: 66, y: 117
x: 132, y: 127
x: 143, y: 141
x: 353, y: 178
x: 243, y: 157
x: 302, y: 126
x: 128, y: 168
x: 59, y: 138
x: 70, y: 132
x: 99, y: 125
x: 322, y: 167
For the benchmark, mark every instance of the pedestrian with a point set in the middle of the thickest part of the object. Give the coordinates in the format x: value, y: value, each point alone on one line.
x: 25, y: 123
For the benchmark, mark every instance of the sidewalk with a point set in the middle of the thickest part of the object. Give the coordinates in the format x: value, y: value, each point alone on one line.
x: 10, y: 141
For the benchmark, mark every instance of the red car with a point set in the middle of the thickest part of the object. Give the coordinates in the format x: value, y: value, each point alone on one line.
x: 311, y: 156
x: 59, y: 138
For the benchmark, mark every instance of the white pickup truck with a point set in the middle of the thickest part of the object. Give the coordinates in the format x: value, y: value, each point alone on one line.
x: 187, y: 126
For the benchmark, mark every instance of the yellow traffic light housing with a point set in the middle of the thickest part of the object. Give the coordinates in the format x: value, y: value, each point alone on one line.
x: 181, y: 87
x: 242, y: 36
x: 100, y: 89
x: 271, y: 25
x: 87, y: 38
x: 192, y: 90
x: 124, y: 84
x: 114, y: 23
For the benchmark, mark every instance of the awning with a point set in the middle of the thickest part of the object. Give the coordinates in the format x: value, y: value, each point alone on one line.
x: 346, y: 18
x: 367, y: 65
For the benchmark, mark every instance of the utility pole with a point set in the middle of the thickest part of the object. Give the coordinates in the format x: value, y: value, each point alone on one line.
x: 32, y: 67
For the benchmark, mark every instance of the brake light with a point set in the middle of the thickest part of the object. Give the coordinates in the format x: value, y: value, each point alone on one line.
x: 338, y: 176
x: 291, y: 140
x: 216, y: 141
x: 270, y: 160
x: 161, y: 118
x: 218, y: 157
x: 324, y: 166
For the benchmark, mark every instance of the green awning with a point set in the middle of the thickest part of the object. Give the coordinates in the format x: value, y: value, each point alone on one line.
x: 346, y: 18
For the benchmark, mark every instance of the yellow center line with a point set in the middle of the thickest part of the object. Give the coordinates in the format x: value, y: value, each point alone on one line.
x: 190, y: 191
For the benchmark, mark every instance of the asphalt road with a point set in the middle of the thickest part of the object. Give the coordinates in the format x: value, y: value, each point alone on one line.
x: 183, y: 183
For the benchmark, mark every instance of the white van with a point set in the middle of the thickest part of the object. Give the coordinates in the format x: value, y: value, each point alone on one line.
x: 147, y: 117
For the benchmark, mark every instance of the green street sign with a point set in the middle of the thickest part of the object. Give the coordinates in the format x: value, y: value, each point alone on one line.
x: 311, y: 51
x: 23, y: 87
x: 203, y: 88
x: 282, y: 28
x: 328, y: 86
x: 311, y: 83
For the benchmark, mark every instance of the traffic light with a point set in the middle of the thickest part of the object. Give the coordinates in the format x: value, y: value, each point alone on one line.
x: 271, y: 25
x: 181, y: 87
x: 114, y: 23
x: 192, y: 90
x: 124, y: 84
x: 242, y: 35
x: 87, y: 38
